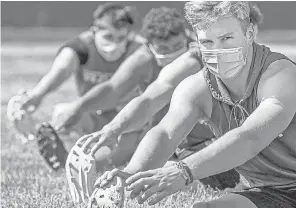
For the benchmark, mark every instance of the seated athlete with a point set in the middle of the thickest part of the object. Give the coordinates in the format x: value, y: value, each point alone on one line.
x: 151, y: 105
x: 165, y: 42
x: 92, y: 58
x: 248, y: 94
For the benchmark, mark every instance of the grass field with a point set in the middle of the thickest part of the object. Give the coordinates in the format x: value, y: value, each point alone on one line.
x: 25, y: 180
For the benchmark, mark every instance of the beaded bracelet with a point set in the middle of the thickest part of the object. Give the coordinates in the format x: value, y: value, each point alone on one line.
x: 186, y: 171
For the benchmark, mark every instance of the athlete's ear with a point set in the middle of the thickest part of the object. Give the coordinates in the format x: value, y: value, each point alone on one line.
x: 250, y: 34
x: 93, y: 29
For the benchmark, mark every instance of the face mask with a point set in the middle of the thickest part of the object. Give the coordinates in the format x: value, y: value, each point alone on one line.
x: 109, y: 50
x: 224, y: 63
x: 163, y: 60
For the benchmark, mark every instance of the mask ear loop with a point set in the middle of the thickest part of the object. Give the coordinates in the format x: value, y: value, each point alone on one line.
x: 93, y: 29
x: 153, y: 51
x: 249, y: 40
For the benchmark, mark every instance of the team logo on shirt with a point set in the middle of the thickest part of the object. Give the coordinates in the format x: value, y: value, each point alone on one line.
x: 96, y: 77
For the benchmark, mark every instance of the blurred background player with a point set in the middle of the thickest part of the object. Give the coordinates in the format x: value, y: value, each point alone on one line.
x: 92, y: 57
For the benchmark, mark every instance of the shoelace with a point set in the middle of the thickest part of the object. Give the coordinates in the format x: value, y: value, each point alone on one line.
x: 223, y: 96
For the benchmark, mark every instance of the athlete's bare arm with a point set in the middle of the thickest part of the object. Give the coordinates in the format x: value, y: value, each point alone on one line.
x: 191, y: 102
x: 141, y: 109
x: 133, y: 71
x: 277, y: 97
x: 64, y: 64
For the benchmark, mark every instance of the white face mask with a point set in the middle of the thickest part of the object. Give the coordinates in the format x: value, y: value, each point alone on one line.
x: 224, y: 63
x: 163, y: 60
x: 109, y: 50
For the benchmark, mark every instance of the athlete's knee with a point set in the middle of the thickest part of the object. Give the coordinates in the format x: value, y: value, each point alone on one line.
x: 201, y: 205
x: 227, y: 201
x: 211, y: 204
x: 103, y: 153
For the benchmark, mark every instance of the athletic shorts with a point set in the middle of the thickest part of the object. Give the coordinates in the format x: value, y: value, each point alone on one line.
x: 91, y: 122
x: 271, y: 196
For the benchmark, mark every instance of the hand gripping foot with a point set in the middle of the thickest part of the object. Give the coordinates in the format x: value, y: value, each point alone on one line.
x: 111, y: 197
x: 21, y: 120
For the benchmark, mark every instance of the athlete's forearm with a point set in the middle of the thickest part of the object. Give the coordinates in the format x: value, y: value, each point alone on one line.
x: 132, y: 117
x: 63, y: 66
x: 153, y: 152
x: 51, y: 81
x: 100, y: 97
x: 232, y: 150
x: 142, y: 109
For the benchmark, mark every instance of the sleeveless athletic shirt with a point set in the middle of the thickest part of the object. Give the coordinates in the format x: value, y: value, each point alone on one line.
x: 274, y: 165
x: 94, y: 69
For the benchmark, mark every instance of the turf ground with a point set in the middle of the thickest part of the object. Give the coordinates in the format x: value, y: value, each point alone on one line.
x: 25, y: 180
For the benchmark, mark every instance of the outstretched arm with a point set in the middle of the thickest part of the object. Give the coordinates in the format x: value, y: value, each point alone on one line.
x: 188, y: 106
x: 69, y: 58
x: 141, y: 109
x: 65, y: 63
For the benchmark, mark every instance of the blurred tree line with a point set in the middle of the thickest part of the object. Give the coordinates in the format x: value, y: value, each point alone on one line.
x: 278, y: 14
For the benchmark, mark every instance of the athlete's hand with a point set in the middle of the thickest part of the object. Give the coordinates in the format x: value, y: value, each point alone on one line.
x: 65, y: 115
x: 156, y: 184
x: 105, y: 180
x: 30, y: 101
x: 91, y: 143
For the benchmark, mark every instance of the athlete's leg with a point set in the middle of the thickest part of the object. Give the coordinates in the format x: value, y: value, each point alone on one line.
x: 227, y: 201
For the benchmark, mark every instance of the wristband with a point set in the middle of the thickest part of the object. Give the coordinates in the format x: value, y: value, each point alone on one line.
x: 185, y: 171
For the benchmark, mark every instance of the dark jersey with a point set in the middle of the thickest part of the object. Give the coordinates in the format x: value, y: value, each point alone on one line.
x: 94, y: 69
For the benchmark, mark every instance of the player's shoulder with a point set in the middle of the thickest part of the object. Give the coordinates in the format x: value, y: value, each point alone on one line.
x: 86, y: 37
x: 135, y: 41
x: 194, y: 91
x: 137, y: 38
x: 77, y: 45
x: 182, y: 67
x: 280, y: 74
x: 193, y: 86
x: 143, y: 53
x: 279, y: 68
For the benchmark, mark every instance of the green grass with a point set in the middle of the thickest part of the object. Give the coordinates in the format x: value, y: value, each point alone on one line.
x: 25, y: 180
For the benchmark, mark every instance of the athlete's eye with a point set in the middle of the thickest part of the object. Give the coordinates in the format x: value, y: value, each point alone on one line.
x: 205, y: 41
x: 227, y: 38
